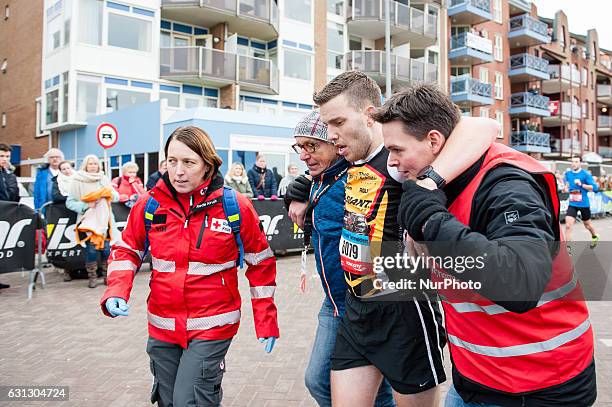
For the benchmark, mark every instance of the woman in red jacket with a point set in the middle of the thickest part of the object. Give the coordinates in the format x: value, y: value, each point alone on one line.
x: 128, y: 185
x: 194, y: 304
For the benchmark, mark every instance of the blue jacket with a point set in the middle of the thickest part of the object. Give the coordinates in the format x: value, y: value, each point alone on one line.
x: 43, y: 186
x: 327, y: 221
x: 270, y: 186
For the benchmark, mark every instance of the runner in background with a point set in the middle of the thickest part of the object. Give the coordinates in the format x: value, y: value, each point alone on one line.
x: 580, y: 183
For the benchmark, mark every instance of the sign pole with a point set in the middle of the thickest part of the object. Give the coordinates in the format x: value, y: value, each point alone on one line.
x: 106, y: 169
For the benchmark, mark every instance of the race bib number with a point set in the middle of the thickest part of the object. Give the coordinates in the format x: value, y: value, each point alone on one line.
x: 575, y: 196
x: 355, y: 253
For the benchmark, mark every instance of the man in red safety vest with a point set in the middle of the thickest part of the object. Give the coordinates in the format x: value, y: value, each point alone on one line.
x: 518, y: 327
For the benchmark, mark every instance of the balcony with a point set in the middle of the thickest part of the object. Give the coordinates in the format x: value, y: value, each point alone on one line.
x: 252, y: 18
x: 604, y: 94
x: 526, y: 31
x: 519, y: 6
x: 470, y: 49
x: 205, y: 66
x: 526, y: 104
x: 403, y: 70
x: 604, y: 125
x: 469, y: 12
x: 564, y: 148
x: 530, y: 141
x: 561, y: 113
x: 366, y: 18
x: 562, y: 77
x: 466, y: 90
x: 526, y: 67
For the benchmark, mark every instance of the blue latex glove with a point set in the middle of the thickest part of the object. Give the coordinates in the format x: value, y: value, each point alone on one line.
x: 117, y: 307
x: 269, y: 343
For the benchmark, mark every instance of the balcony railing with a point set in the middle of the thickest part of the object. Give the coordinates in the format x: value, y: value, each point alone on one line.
x: 262, y: 10
x: 528, y: 61
x: 567, y: 73
x: 471, y: 86
x: 604, y: 90
x: 528, y: 22
x: 529, y: 100
x: 473, y: 41
x: 200, y: 62
x: 484, y: 5
x: 603, y: 122
x: 404, y: 69
x: 402, y: 16
x: 528, y: 138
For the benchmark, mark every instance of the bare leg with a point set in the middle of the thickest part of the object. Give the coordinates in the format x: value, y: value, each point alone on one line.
x: 569, y: 223
x: 428, y: 398
x: 589, y: 226
x: 355, y: 387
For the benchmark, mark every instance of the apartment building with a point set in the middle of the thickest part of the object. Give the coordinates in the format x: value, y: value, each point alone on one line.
x: 220, y: 64
x: 20, y: 73
x: 546, y: 86
x: 603, y: 93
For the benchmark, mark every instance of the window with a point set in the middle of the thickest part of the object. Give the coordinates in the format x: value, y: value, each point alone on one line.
x: 129, y: 32
x: 67, y: 20
x: 51, y: 113
x: 497, y: 11
x: 335, y: 7
x: 297, y: 65
x: 484, y: 112
x: 585, y: 109
x: 88, y: 92
x: 499, y: 116
x: 498, y: 50
x: 499, y: 85
x: 7, y: 12
x: 354, y: 43
x: 90, y: 21
x: 174, y: 99
x: 4, y: 65
x: 117, y: 99
x: 65, y: 97
x: 585, y: 77
x: 3, y: 119
x: 460, y: 70
x: 335, y: 45
x: 432, y: 57
x: 298, y: 10
x: 484, y: 75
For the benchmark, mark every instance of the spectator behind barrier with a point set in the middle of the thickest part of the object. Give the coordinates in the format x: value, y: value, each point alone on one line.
x: 237, y: 180
x: 128, y: 185
x: 154, y: 177
x: 262, y: 180
x: 292, y: 173
x: 9, y: 191
x: 61, y: 182
x: 90, y: 193
x: 43, y: 186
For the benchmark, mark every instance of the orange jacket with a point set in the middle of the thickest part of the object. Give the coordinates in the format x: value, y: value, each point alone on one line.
x: 194, y: 281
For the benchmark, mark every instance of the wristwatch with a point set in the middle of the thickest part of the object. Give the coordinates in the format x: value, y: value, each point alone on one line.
x: 428, y: 172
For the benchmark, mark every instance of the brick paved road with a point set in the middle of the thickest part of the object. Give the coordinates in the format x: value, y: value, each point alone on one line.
x: 61, y: 338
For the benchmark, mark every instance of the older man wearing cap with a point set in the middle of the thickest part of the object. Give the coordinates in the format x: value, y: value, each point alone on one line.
x: 323, y: 224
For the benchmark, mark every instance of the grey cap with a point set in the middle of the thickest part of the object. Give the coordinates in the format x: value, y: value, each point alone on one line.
x: 311, y: 126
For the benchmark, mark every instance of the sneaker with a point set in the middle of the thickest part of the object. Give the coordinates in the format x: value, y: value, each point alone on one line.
x: 594, y: 241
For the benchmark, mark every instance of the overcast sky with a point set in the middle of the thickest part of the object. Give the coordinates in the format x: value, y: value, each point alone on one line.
x: 582, y: 15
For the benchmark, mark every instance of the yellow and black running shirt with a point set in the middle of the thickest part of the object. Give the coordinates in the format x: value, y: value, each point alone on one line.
x: 371, y: 201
